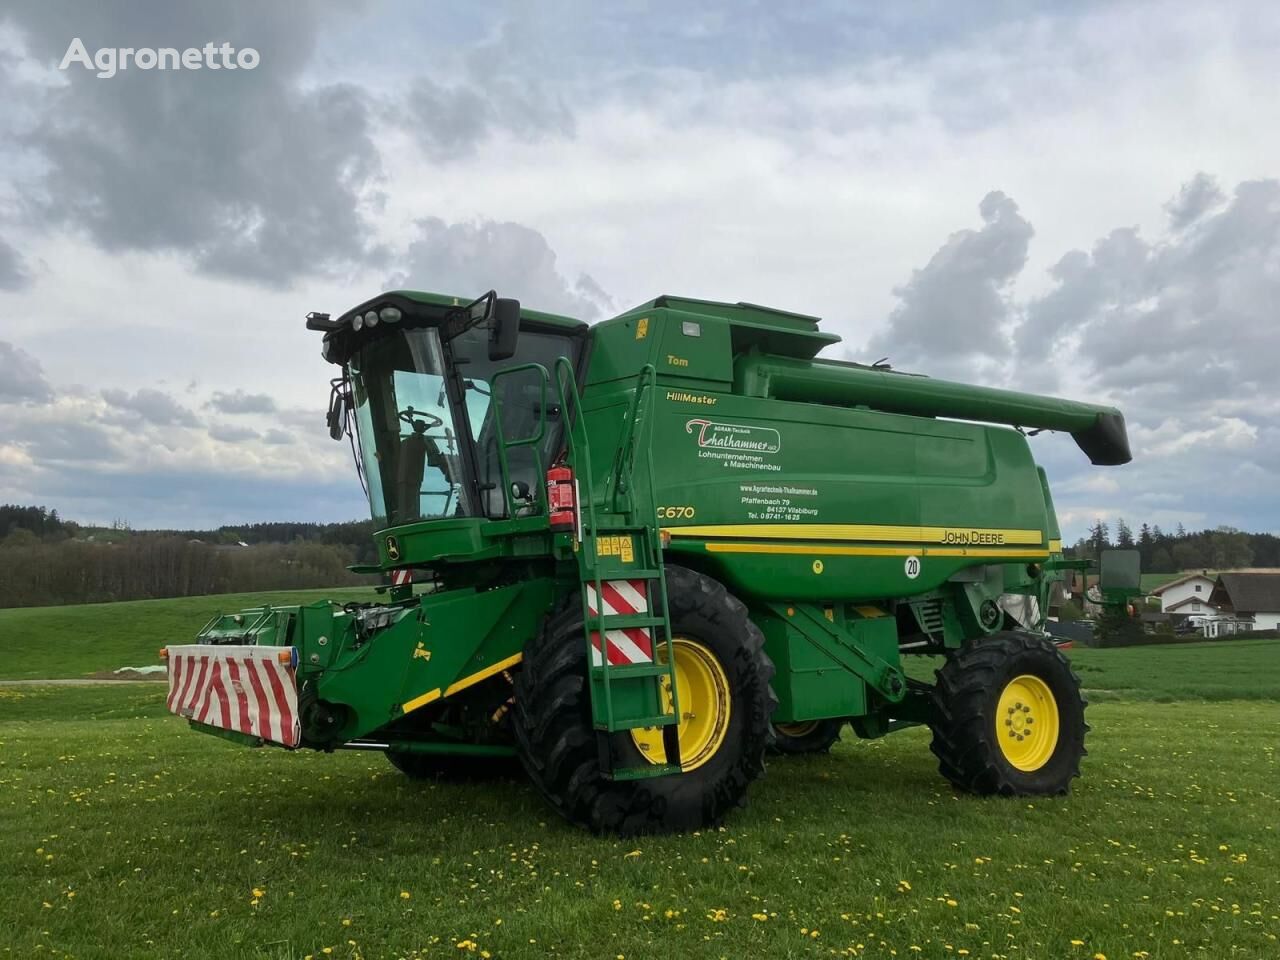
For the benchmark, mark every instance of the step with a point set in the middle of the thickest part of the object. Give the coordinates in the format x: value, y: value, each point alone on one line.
x: 663, y: 720
x: 629, y: 671
x: 621, y: 572
x: 620, y: 621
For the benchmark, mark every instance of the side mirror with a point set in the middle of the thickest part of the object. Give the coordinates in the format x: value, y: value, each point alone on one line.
x: 504, y: 331
x: 1121, y: 574
x: 339, y: 404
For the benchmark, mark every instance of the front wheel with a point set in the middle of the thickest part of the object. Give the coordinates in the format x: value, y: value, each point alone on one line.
x: 722, y: 680
x: 1008, y: 717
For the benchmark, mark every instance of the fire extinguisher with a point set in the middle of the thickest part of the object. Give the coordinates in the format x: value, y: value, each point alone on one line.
x: 561, y: 501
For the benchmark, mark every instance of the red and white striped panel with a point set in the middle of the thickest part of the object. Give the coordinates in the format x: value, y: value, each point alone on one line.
x: 624, y: 598
x: 401, y: 578
x: 242, y: 688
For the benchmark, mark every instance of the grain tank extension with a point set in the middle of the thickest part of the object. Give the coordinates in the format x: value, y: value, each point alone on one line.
x: 644, y: 555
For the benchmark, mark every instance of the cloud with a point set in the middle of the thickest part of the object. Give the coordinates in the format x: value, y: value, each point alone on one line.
x: 13, y: 270
x: 954, y: 309
x: 151, y: 406
x: 21, y: 377
x: 1179, y: 331
x: 238, y: 401
x: 232, y: 433
x: 1197, y: 196
x: 450, y: 121
x: 251, y: 174
x: 97, y: 460
x: 517, y: 261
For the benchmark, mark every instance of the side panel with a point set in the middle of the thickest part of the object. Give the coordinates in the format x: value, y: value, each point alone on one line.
x: 800, y: 501
x: 452, y: 641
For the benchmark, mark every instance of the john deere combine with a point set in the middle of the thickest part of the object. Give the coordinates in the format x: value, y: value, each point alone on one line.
x: 641, y: 555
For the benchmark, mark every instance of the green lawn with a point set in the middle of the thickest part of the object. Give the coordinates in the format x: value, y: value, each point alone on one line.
x: 125, y: 834
x: 74, y: 641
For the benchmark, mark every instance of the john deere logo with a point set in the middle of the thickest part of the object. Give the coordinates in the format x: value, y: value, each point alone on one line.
x: 734, y: 436
x: 393, y: 549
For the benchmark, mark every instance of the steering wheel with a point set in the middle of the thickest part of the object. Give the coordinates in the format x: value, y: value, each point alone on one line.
x: 414, y: 417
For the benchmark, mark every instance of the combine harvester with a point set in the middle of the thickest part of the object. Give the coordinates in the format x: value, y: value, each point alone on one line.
x: 717, y: 546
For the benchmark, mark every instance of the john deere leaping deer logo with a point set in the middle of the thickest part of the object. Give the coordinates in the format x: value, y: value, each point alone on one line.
x: 734, y: 436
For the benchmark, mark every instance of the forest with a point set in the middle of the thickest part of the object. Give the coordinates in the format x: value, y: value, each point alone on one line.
x: 45, y: 560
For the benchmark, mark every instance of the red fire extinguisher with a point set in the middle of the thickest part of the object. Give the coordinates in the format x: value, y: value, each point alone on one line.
x: 561, y: 501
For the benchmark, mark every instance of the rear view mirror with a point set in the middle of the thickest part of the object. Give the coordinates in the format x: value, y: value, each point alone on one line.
x: 1120, y: 574
x: 504, y: 331
x: 339, y: 406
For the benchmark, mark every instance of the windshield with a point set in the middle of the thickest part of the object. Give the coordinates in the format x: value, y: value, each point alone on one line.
x: 408, y: 441
x: 415, y: 445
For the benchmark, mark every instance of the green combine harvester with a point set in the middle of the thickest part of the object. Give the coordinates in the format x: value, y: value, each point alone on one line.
x: 642, y: 555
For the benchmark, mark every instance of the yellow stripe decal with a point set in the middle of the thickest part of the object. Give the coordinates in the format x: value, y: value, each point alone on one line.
x: 957, y: 536
x: 423, y: 700
x: 432, y: 695
x: 484, y: 674
x: 833, y: 550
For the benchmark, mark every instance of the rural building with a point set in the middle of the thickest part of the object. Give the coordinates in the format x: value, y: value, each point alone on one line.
x: 1251, y: 597
x: 1188, y: 596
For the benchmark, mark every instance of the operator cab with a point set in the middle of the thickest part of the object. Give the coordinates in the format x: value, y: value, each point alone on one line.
x: 416, y: 394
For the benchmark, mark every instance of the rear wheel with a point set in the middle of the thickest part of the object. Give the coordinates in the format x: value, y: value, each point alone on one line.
x: 810, y: 736
x: 722, y: 678
x: 1009, y: 717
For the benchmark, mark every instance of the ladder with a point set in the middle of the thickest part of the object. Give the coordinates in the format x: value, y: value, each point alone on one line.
x: 631, y: 662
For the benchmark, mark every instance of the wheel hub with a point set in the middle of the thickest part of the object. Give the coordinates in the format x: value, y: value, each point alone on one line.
x: 1027, y: 722
x: 703, y: 689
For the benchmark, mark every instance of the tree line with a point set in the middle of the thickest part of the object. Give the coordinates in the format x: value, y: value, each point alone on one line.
x: 45, y: 560
x: 1220, y: 548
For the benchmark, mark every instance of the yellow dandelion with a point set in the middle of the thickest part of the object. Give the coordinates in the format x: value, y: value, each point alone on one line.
x: 259, y: 893
x: 346, y: 921
x: 404, y: 894
x: 762, y: 917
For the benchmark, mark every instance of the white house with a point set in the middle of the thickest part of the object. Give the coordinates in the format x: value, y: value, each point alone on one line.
x: 1188, y: 595
x: 1251, y: 595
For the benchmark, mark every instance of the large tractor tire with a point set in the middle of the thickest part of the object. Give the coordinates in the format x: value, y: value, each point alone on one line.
x: 1009, y: 717
x: 811, y: 736
x: 458, y: 768
x: 722, y: 682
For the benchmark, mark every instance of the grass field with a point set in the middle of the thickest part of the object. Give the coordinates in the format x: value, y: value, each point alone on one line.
x: 124, y: 834
x: 75, y: 641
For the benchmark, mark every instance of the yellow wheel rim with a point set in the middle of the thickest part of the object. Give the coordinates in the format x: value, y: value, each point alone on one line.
x: 1027, y: 722
x: 703, y: 689
x: 796, y: 729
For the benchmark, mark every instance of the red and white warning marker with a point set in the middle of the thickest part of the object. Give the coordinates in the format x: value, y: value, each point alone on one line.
x: 402, y: 578
x: 248, y: 689
x: 621, y: 598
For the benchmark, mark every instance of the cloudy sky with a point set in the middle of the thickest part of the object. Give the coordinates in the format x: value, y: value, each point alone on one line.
x: 1084, y: 203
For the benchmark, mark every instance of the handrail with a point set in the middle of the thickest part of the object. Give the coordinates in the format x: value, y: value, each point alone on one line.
x: 624, y: 460
x: 580, y: 453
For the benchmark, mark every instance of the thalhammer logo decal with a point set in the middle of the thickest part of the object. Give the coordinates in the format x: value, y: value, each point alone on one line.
x: 734, y: 436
